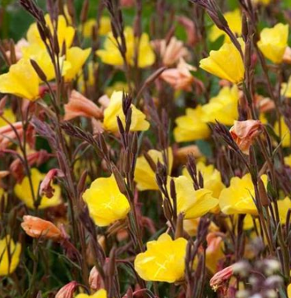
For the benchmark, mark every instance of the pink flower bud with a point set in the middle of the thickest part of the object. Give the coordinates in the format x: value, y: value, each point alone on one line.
x: 67, y: 291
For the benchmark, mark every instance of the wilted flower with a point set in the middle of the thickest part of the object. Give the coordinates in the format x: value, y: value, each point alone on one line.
x: 23, y: 192
x: 67, y: 291
x: 192, y: 203
x: 211, y: 178
x: 99, y: 294
x: 244, y: 133
x: 179, y: 78
x: 10, y: 254
x: 144, y: 175
x: 287, y: 55
x: 221, y: 277
x: 127, y: 3
x: 214, y: 251
x: 105, y: 201
x: 111, y: 54
x: 226, y: 63
x: 223, y: 107
x: 95, y: 280
x: 36, y: 227
x: 273, y: 42
x: 16, y: 81
x: 170, y: 52
x: 138, y: 122
x: 234, y: 20
x: 64, y: 33
x: 164, y: 260
x: 46, y: 187
x: 264, y: 104
x: 76, y: 57
x: 79, y: 105
x: 238, y: 198
x: 191, y: 127
x: 9, y: 134
x: 188, y: 24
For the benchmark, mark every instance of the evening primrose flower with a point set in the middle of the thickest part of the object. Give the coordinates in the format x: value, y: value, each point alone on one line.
x: 23, y: 191
x: 16, y: 80
x: 138, y: 121
x: 191, y: 127
x: 9, y: 115
x: 285, y: 133
x: 193, y: 203
x: 223, y: 107
x: 99, y: 294
x: 144, y: 176
x: 286, y: 88
x: 76, y: 58
x: 238, y: 198
x: 234, y: 21
x: 9, y: 255
x: 111, y: 55
x: 284, y: 206
x: 164, y: 260
x: 65, y: 33
x: 105, y: 201
x: 211, y: 178
x: 226, y: 63
x: 104, y: 27
x: 273, y: 42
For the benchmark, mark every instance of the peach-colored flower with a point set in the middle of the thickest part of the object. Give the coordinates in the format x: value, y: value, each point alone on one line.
x: 181, y: 154
x: 287, y: 55
x: 67, y: 291
x: 179, y: 78
x: 244, y: 133
x: 126, y: 3
x: 95, y: 280
x: 264, y: 104
x: 188, y: 24
x: 9, y: 134
x: 79, y: 105
x: 170, y: 52
x: 18, y: 49
x: 36, y: 227
x: 221, y: 277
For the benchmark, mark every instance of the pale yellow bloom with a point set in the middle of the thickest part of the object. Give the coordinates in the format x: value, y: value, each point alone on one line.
x: 223, y: 107
x: 105, y: 201
x: 117, y: 86
x: 273, y: 42
x: 104, y: 26
x: 226, y: 63
x: 286, y: 88
x: 285, y: 133
x: 111, y: 55
x: 9, y: 255
x: 211, y: 178
x: 99, y: 294
x: 191, y: 127
x: 23, y: 191
x: 234, y: 21
x: 144, y: 176
x: 284, y: 206
x: 239, y: 197
x: 164, y: 260
x: 9, y: 115
x: 192, y: 203
x: 138, y: 121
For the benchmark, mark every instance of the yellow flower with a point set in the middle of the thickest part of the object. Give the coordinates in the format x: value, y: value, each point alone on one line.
x: 9, y: 115
x: 239, y: 197
x: 226, y: 63
x: 191, y: 127
x: 193, y: 203
x: 211, y: 178
x: 16, y: 80
x: 23, y: 191
x: 234, y: 21
x: 273, y: 42
x: 191, y: 226
x: 164, y: 260
x: 289, y: 290
x: 284, y: 206
x: 286, y: 88
x: 138, y: 121
x: 286, y: 139
x: 65, y: 33
x: 77, y: 58
x: 105, y: 202
x: 99, y: 294
x: 104, y: 27
x: 223, y: 107
x: 144, y: 176
x: 263, y: 2
x: 287, y: 160
x: 111, y: 55
x: 117, y: 86
x: 9, y: 255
